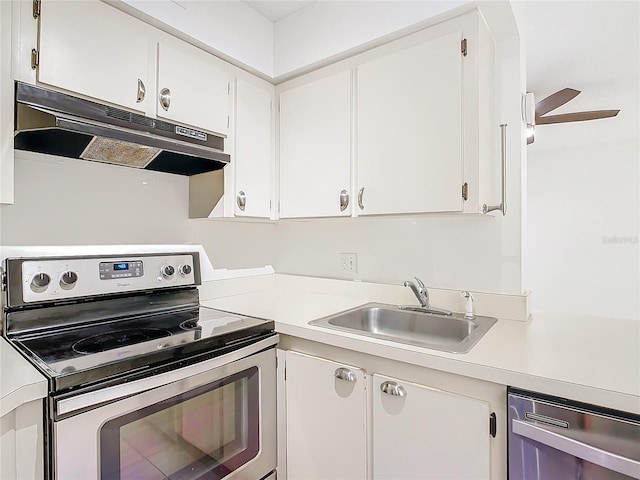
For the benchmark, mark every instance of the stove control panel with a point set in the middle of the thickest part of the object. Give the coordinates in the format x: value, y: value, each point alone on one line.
x: 110, y: 270
x: 51, y: 279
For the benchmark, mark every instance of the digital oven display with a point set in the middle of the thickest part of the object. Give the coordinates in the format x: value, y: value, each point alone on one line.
x: 111, y: 270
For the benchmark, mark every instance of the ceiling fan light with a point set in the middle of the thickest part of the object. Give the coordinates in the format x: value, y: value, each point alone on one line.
x: 528, y: 109
x: 529, y: 116
x: 531, y: 134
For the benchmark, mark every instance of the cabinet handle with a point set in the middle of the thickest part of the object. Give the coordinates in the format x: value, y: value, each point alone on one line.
x: 241, y: 200
x: 165, y: 98
x: 345, y: 374
x: 142, y: 91
x: 503, y: 154
x: 360, y: 194
x: 344, y: 200
x: 394, y: 389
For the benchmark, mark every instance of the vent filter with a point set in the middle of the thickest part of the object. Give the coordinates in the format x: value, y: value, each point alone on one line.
x: 108, y: 150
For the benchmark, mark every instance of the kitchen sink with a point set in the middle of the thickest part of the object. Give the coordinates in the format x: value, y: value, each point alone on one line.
x: 450, y: 333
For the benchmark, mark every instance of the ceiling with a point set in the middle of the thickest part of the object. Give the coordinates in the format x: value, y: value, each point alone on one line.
x: 277, y: 10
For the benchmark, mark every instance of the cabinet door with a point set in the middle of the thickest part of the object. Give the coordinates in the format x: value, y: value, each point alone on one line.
x: 325, y: 419
x: 95, y: 50
x: 409, y: 129
x: 253, y: 150
x: 193, y: 88
x: 315, y: 147
x: 427, y: 433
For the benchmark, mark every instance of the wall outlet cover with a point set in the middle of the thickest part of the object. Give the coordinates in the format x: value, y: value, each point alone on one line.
x: 349, y: 262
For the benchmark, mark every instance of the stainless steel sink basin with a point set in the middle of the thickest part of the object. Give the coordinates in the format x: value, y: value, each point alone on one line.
x: 449, y: 333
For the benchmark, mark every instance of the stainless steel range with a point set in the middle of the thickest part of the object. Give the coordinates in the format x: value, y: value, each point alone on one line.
x: 143, y: 382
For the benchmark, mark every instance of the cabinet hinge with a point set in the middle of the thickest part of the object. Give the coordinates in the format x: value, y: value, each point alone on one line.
x: 465, y: 191
x: 35, y: 58
x: 228, y: 88
x: 463, y: 47
x: 228, y: 121
x: 493, y: 427
x: 36, y: 8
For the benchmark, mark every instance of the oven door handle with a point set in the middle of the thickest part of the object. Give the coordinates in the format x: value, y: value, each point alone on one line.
x: 86, y: 401
x: 576, y: 448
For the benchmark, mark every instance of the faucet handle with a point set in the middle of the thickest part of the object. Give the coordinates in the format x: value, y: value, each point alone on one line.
x: 419, y: 283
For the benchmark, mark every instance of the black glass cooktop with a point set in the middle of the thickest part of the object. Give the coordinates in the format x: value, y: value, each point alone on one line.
x: 91, y: 353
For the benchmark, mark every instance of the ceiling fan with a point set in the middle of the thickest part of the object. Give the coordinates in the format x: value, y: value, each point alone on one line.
x: 556, y: 100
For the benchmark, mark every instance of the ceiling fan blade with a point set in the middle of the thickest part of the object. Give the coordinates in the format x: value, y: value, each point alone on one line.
x: 555, y: 100
x: 576, y: 117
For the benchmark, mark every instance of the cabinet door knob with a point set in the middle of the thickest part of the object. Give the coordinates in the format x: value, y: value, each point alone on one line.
x: 241, y: 200
x: 165, y: 98
x: 344, y: 200
x: 360, y: 194
x: 394, y: 389
x: 345, y: 374
x: 142, y: 91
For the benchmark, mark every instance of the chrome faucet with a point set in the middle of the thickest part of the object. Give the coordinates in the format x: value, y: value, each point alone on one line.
x: 422, y: 294
x: 419, y: 290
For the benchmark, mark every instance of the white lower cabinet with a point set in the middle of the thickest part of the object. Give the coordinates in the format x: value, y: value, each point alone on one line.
x: 22, y: 443
x: 423, y: 433
x: 326, y: 419
x: 353, y: 422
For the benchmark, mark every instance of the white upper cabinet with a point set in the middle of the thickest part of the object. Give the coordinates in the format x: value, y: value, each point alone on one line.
x: 326, y: 419
x: 253, y: 153
x: 315, y: 147
x: 95, y: 50
x: 409, y: 129
x: 423, y: 433
x: 193, y: 88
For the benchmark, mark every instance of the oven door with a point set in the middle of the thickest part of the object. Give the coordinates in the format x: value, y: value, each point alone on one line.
x: 213, y: 420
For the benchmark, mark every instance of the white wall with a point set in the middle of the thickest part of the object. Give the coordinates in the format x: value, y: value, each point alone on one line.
x: 314, y: 34
x: 230, y: 28
x: 583, y: 204
x: 584, y: 207
x: 444, y: 251
x: 324, y: 29
x: 236, y: 243
x: 60, y: 201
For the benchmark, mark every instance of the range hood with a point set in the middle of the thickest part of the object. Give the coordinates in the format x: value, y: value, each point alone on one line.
x: 58, y: 124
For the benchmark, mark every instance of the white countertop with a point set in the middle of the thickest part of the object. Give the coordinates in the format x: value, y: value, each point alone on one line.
x: 581, y: 358
x: 586, y: 359
x: 20, y: 382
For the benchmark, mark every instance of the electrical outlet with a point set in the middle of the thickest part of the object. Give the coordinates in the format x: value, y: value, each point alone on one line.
x: 349, y: 262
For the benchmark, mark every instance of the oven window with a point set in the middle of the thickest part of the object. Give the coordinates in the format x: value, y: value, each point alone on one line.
x: 205, y: 433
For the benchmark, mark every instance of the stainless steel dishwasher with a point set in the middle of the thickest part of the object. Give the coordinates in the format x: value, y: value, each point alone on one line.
x: 552, y: 438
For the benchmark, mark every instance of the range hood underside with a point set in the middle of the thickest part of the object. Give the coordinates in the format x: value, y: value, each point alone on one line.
x: 65, y: 143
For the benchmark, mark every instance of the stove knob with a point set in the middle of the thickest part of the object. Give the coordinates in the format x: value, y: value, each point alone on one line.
x: 40, y: 282
x: 68, y: 280
x: 184, y: 270
x: 167, y: 271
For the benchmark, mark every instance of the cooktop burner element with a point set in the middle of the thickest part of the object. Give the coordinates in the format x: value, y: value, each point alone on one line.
x: 111, y: 340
